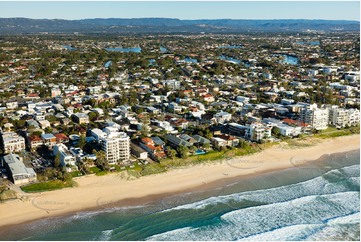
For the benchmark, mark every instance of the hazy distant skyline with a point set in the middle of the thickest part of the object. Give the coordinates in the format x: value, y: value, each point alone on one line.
x: 329, y: 10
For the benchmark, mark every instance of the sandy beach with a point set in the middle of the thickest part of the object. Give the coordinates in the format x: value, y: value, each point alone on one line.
x: 97, y: 192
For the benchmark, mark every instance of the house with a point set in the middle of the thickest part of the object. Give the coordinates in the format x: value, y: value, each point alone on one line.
x: 44, y: 124
x: 12, y: 105
x: 12, y: 142
x: 158, y: 141
x: 175, y: 141
x: 231, y: 141
x: 34, y: 141
x: 154, y: 150
x: 19, y: 174
x: 222, y: 117
x: 218, y: 142
x: 200, y: 141
x: 187, y: 138
x: 66, y: 158
x: 208, y: 98
x: 80, y: 118
x: 258, y: 131
x: 61, y: 138
x: 284, y: 129
x: 237, y: 129
x: 48, y: 140
x: 138, y: 151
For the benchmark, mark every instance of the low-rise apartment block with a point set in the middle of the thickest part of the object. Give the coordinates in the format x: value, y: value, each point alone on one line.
x: 12, y: 142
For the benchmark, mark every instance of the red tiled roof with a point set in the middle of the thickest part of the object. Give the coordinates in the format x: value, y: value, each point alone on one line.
x: 34, y: 138
x: 61, y: 136
x: 147, y: 140
x: 292, y: 121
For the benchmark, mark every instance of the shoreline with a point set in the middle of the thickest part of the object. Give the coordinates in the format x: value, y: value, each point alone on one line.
x: 100, y: 192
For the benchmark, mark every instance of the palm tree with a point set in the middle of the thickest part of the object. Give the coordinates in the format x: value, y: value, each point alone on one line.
x: 101, y: 160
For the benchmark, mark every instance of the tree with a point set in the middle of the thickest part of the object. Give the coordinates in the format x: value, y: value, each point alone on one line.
x: 82, y: 142
x: 57, y: 161
x: 276, y: 132
x: 171, y: 153
x: 206, y: 145
x: 101, y: 160
x: 92, y: 116
x: 192, y: 149
x: 183, y: 151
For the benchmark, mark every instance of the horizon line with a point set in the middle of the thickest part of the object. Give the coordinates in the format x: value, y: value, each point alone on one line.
x: 313, y: 19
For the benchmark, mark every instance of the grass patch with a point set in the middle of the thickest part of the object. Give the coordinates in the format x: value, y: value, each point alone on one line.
x: 134, y: 173
x: 153, y: 168
x: 332, y: 132
x: 48, y: 186
x: 95, y: 169
x: 101, y: 173
x: 296, y: 143
x: 76, y: 173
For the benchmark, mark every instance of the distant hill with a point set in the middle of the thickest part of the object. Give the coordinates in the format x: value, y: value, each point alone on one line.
x: 169, y: 25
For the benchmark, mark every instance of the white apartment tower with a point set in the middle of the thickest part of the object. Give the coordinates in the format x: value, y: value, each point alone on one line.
x: 341, y: 117
x: 116, y: 146
x: 316, y: 117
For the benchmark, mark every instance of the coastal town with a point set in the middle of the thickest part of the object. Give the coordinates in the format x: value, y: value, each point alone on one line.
x: 74, y: 105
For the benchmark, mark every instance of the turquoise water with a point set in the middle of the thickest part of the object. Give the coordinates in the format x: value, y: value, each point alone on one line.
x: 290, y: 60
x: 200, y: 152
x: 319, y: 201
x: 190, y: 60
x: 68, y: 47
x: 107, y: 64
x: 230, y: 47
x: 133, y: 49
x: 308, y: 43
x: 233, y: 60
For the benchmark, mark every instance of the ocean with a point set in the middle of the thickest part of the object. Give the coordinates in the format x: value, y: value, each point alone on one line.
x: 318, y: 201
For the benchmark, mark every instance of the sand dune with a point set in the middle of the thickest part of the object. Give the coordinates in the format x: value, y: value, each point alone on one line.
x: 96, y: 192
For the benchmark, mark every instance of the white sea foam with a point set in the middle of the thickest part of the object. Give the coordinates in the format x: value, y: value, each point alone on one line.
x: 105, y: 235
x: 295, y: 219
x: 348, y: 219
x: 342, y: 228
x: 294, y: 232
x: 316, y: 186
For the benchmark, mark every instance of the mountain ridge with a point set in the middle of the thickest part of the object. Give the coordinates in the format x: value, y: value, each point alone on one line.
x: 170, y: 25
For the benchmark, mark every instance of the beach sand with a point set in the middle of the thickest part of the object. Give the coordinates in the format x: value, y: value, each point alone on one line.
x: 97, y: 192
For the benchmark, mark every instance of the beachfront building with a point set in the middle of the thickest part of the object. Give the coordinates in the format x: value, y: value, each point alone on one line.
x: 12, y: 142
x: 258, y: 131
x: 19, y: 174
x: 138, y: 151
x: 284, y: 129
x: 66, y: 158
x: 316, y: 117
x: 116, y: 145
x: 218, y: 142
x: 175, y: 141
x: 154, y: 147
x: 341, y: 117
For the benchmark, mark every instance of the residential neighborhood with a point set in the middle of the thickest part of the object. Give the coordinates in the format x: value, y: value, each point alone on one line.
x: 83, y: 105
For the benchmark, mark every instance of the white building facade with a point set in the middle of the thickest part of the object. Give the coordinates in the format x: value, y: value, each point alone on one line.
x: 116, y: 145
x: 12, y: 142
x: 341, y: 117
x: 316, y: 117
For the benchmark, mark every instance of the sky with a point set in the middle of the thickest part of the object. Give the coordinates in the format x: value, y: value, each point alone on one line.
x: 330, y: 10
